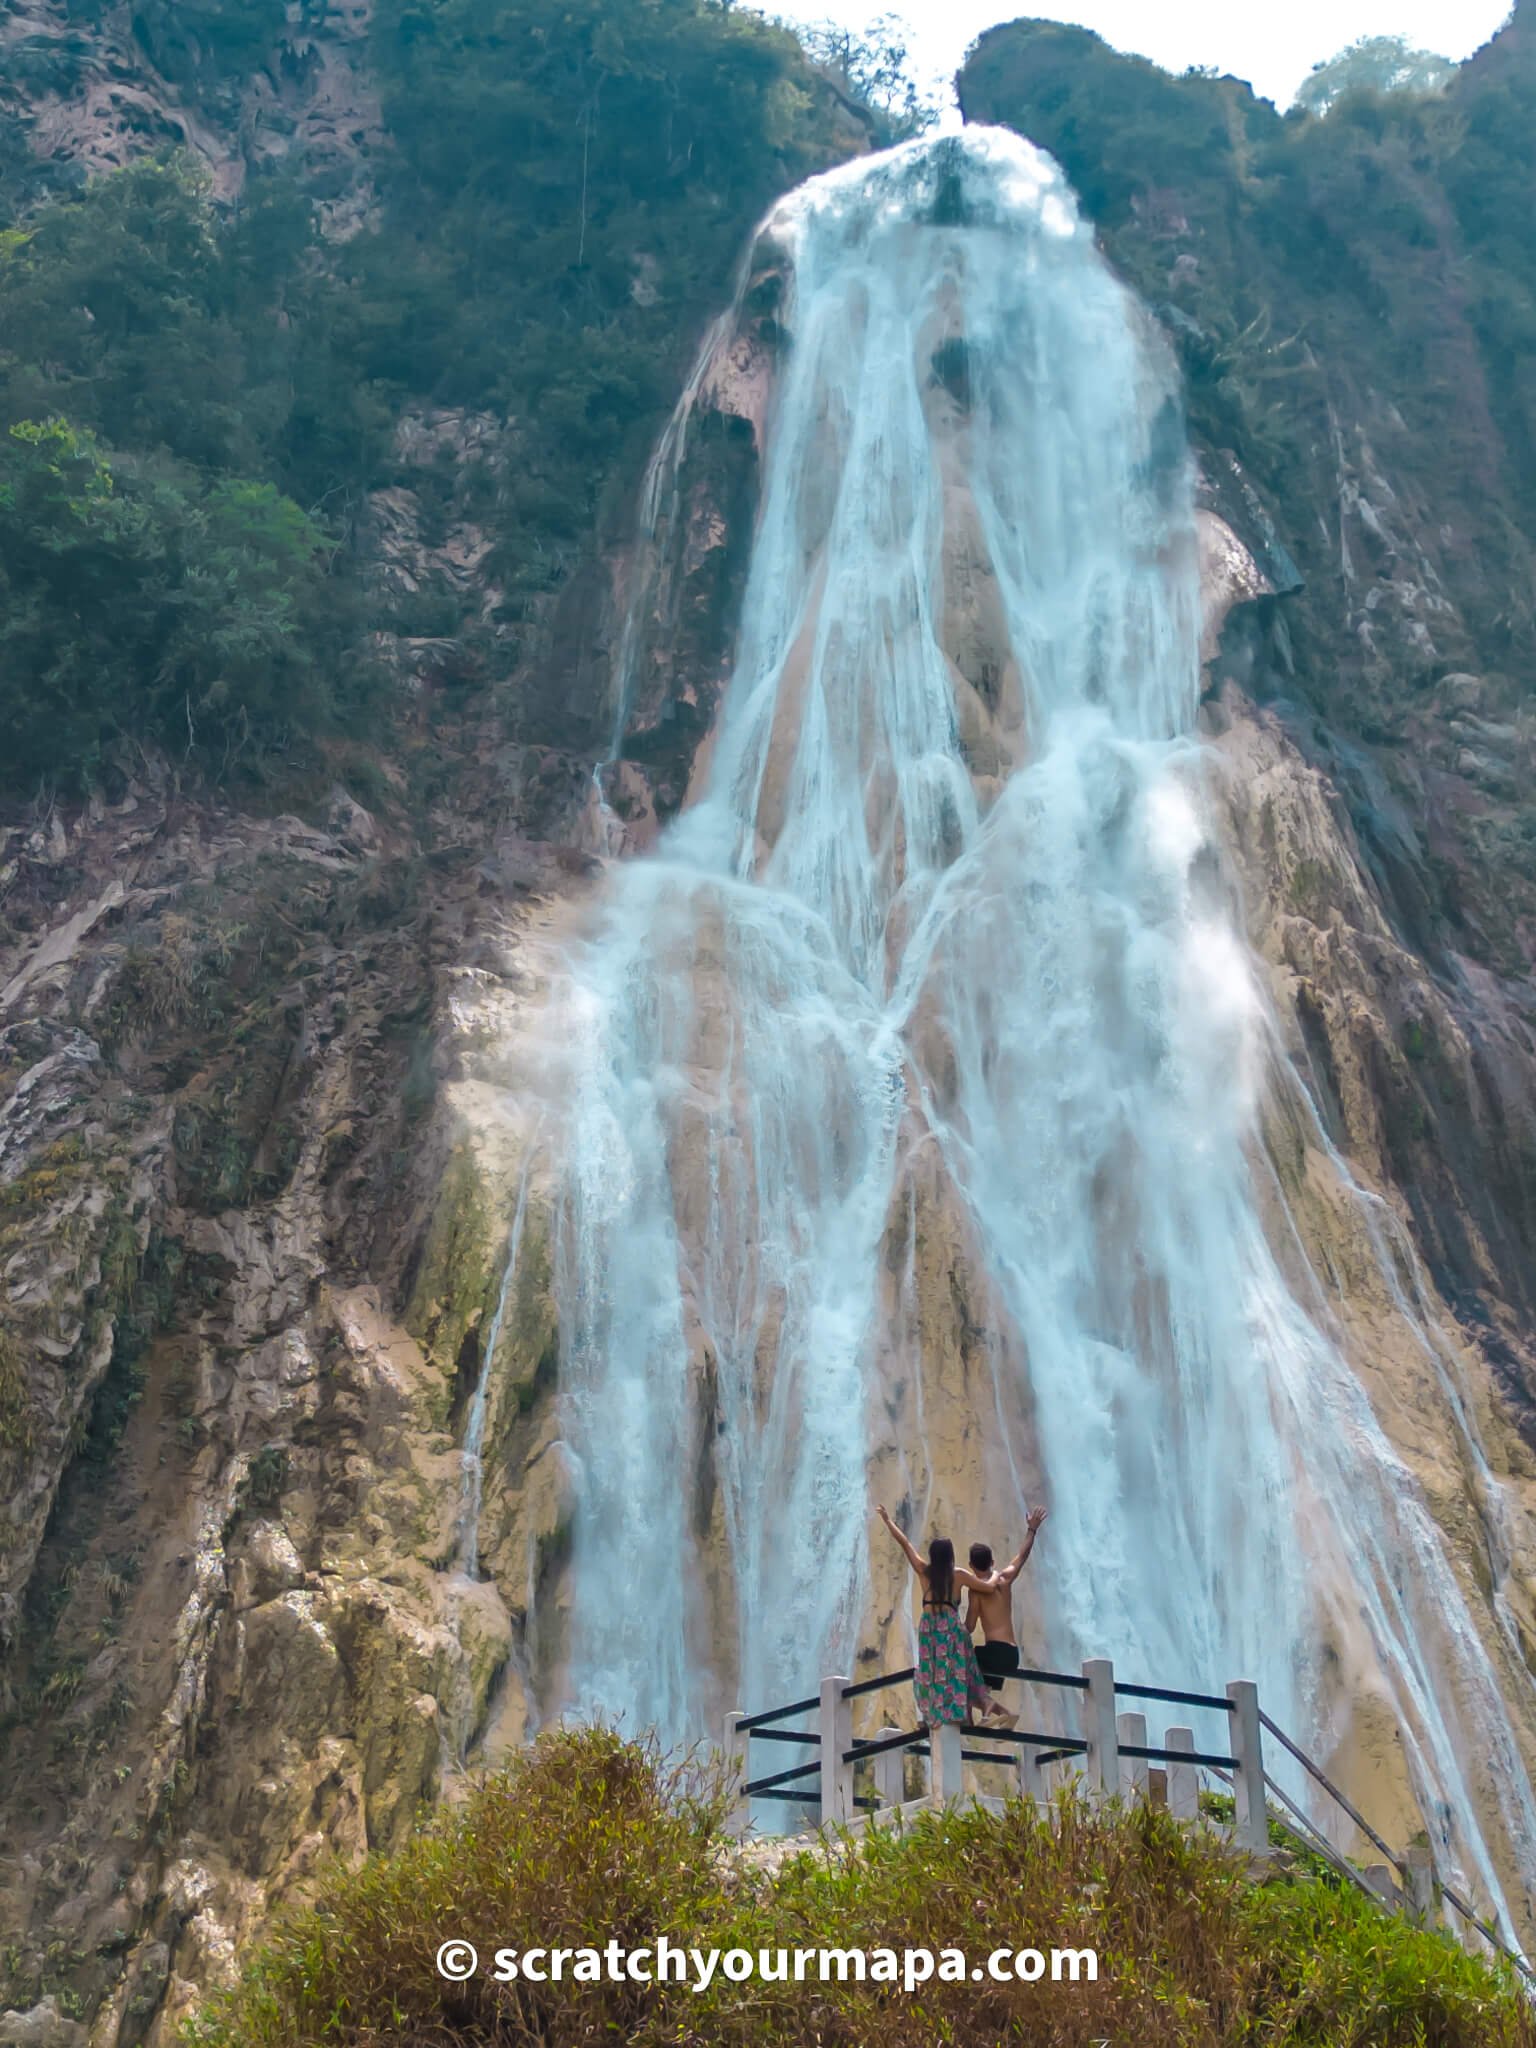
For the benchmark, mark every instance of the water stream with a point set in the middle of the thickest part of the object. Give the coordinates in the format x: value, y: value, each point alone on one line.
x: 952, y: 883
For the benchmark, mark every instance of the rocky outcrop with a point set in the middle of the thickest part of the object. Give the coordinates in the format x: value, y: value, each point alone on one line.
x: 237, y: 1070
x: 88, y: 101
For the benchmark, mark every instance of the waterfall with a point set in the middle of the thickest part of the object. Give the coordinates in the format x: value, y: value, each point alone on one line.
x: 950, y: 908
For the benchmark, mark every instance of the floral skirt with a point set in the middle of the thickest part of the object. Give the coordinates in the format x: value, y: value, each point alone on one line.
x: 948, y: 1677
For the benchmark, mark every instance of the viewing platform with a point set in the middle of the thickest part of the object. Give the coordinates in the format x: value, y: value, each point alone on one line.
x: 849, y: 1780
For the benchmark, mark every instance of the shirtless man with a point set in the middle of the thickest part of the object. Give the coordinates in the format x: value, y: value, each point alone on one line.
x: 998, y: 1653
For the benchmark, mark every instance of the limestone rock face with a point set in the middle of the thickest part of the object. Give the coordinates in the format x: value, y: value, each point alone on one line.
x: 42, y: 2026
x: 85, y: 104
x: 233, y: 1637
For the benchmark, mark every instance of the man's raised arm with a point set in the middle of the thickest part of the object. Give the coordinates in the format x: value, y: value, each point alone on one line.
x: 1011, y: 1570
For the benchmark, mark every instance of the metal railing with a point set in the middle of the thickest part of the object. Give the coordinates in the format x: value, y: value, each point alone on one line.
x: 1110, y: 1749
x: 1111, y: 1757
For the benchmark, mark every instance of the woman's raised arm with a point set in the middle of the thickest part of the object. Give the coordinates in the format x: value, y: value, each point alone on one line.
x: 914, y: 1556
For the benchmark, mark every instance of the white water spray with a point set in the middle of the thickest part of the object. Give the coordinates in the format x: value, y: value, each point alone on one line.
x: 952, y: 882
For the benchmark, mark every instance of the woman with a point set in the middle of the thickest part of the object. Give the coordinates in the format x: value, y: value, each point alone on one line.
x: 949, y: 1684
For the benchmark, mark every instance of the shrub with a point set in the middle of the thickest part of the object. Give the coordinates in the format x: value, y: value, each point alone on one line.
x: 586, y: 1838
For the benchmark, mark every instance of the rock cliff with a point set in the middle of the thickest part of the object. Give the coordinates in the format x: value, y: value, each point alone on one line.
x: 268, y: 1075
x: 258, y: 1166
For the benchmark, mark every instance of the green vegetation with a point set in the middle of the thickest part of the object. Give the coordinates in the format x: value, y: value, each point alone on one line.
x: 587, y: 1839
x: 1374, y: 64
x: 195, y: 404
x: 158, y: 587
x: 144, y: 607
x: 549, y: 248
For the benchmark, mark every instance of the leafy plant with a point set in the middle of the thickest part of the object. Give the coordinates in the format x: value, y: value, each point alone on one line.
x: 588, y: 1838
x: 140, y: 605
x: 206, y: 402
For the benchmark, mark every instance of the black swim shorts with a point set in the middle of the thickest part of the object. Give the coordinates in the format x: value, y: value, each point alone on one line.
x: 998, y: 1661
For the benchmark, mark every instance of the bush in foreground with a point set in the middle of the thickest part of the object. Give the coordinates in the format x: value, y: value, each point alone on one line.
x: 588, y: 1839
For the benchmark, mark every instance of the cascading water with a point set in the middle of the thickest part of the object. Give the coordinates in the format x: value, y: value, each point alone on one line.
x: 932, y: 898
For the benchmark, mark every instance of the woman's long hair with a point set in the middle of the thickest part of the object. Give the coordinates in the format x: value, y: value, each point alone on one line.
x: 941, y: 1570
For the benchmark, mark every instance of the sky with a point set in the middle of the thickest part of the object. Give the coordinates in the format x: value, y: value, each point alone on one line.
x: 1273, y: 44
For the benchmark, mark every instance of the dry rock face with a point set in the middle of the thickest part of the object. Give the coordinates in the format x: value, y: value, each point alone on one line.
x: 91, y: 101
x: 237, y: 1065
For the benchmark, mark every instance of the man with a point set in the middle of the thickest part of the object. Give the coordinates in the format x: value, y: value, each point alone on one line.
x: 998, y: 1653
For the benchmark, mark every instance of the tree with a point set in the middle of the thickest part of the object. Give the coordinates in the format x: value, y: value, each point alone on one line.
x: 110, y: 316
x: 138, y: 603
x: 1375, y: 64
x: 872, y: 67
x: 195, y: 390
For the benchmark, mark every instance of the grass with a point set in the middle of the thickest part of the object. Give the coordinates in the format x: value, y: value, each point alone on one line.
x: 587, y: 1838
x: 16, y: 1424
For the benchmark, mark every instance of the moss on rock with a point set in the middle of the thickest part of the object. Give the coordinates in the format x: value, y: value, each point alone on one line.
x: 454, y: 1295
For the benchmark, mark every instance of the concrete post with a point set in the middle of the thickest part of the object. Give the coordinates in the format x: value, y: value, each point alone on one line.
x: 1423, y: 1891
x: 890, y: 1771
x: 1101, y: 1765
x: 1250, y: 1821
x: 836, y: 1740
x: 737, y: 1747
x: 944, y: 1742
x: 1183, y: 1779
x: 1131, y: 1733
x: 1382, y: 1879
